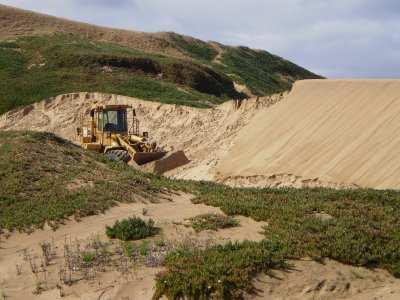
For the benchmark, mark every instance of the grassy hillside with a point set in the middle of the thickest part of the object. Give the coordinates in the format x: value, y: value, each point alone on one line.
x: 43, y: 56
x: 261, y: 71
x: 34, y: 68
x: 44, y: 178
x: 47, y: 179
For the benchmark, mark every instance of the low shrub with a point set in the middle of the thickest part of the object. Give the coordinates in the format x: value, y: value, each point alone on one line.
x: 131, y: 229
x: 212, y: 222
x: 219, y: 272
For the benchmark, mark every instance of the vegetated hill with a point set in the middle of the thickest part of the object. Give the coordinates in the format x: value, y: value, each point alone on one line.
x: 42, y: 56
x: 44, y: 178
x: 38, y: 67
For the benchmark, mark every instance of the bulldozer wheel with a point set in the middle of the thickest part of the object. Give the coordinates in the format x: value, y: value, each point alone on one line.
x: 118, y: 155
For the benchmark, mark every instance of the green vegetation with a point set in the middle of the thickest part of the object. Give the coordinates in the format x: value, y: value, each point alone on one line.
x: 363, y: 227
x: 263, y: 73
x: 212, y: 222
x: 219, y: 272
x: 44, y: 178
x: 194, y: 48
x: 35, y: 68
x: 131, y: 229
x: 88, y: 257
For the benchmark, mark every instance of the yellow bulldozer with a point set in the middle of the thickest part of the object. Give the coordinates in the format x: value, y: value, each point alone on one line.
x: 114, y: 130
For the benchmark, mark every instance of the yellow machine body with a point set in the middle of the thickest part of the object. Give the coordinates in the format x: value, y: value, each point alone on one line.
x: 114, y: 130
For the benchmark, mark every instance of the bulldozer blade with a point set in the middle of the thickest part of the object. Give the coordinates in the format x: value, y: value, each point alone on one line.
x: 142, y: 158
x: 173, y: 161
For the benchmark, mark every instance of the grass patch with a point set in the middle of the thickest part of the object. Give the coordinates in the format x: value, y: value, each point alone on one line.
x: 193, y: 47
x: 212, y: 222
x: 131, y: 229
x: 40, y: 173
x: 219, y: 272
x: 262, y: 72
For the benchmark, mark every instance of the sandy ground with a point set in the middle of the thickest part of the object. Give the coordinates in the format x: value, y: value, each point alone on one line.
x: 170, y: 216
x: 306, y: 279
x: 310, y: 280
x: 339, y: 131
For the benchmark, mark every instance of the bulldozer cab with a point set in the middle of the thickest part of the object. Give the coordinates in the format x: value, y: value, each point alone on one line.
x: 112, y: 120
x: 102, y: 123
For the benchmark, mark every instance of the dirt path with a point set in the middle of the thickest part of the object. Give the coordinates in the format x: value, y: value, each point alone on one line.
x: 218, y: 58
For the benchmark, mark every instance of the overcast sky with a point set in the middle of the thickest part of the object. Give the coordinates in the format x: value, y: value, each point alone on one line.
x: 335, y: 38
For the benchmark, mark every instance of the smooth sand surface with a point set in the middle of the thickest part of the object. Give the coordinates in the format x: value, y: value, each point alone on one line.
x: 343, y: 131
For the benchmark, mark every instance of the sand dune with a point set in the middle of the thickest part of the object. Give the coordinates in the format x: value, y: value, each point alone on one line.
x: 342, y: 131
x: 335, y: 133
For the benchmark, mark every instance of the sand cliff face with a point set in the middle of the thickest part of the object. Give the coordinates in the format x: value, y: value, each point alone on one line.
x: 336, y: 133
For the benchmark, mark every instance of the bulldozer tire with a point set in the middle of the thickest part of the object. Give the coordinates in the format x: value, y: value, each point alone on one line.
x: 118, y: 155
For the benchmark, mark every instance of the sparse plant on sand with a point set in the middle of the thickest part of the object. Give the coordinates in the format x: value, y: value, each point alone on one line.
x: 47, y: 252
x: 212, y: 222
x: 88, y: 257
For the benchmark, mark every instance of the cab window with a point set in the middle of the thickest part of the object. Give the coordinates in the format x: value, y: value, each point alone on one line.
x: 114, y: 120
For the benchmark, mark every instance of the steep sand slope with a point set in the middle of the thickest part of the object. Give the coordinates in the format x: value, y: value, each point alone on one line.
x: 205, y: 134
x: 345, y: 131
